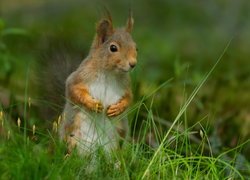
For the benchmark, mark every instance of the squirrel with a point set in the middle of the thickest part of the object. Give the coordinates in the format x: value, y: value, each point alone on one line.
x: 99, y: 90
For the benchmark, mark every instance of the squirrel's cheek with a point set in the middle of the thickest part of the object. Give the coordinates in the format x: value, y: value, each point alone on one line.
x: 118, y: 61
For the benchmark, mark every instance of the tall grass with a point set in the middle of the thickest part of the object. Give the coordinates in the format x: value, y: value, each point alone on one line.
x: 183, y: 109
x: 42, y: 156
x: 176, y: 154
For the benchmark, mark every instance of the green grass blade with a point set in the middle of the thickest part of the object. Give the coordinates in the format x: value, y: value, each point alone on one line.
x: 183, y: 109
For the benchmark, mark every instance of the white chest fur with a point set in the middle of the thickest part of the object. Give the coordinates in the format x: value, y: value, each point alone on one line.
x: 96, y: 129
x: 106, y: 89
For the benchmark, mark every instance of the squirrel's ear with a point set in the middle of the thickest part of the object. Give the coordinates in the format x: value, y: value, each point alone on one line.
x: 104, y: 30
x: 130, y: 23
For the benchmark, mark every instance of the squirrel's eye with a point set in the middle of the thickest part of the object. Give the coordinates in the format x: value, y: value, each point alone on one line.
x: 113, y: 48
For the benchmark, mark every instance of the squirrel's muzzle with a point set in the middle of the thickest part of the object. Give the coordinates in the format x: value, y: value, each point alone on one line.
x: 132, y: 64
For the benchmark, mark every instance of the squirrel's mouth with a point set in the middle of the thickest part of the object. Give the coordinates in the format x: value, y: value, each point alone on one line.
x: 124, y: 70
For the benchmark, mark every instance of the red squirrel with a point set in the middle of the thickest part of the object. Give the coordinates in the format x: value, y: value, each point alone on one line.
x: 99, y: 89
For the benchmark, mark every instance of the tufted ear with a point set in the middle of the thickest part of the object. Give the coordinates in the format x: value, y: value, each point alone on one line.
x: 104, y: 29
x: 130, y: 23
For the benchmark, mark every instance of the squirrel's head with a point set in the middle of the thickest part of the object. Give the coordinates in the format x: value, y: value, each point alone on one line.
x: 115, y: 48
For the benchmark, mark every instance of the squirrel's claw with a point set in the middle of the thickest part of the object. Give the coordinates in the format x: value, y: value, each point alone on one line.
x: 94, y: 105
x: 98, y: 107
x: 115, y: 110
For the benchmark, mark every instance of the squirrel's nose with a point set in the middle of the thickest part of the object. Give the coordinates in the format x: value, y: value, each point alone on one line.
x: 132, y: 64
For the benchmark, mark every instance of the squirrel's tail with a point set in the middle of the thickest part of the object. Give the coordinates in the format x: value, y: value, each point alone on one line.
x: 55, y: 64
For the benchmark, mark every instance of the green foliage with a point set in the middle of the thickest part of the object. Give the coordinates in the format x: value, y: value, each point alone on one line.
x: 40, y: 155
x: 177, y: 40
x: 6, y: 59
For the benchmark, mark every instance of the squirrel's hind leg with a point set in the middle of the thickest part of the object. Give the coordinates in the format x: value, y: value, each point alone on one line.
x: 72, y: 133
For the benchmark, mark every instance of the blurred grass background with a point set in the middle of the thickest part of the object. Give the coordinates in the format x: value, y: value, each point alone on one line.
x: 176, y: 39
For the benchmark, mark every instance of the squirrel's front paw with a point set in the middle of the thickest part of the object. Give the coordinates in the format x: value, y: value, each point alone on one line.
x: 94, y: 105
x: 115, y: 109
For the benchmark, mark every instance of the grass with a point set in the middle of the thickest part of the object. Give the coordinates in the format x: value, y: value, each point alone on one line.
x: 42, y: 156
x: 183, y: 109
x: 195, y: 135
x: 38, y: 154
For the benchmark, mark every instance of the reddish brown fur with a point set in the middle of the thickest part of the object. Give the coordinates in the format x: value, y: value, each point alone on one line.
x: 121, y: 106
x: 79, y: 94
x: 101, y: 60
x: 72, y: 138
